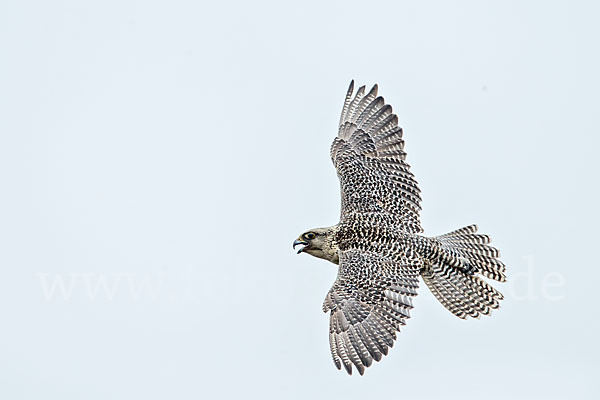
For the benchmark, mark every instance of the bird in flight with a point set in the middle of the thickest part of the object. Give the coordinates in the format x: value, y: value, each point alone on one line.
x: 378, y: 245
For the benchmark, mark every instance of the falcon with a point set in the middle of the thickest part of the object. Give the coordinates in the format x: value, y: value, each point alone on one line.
x: 378, y: 246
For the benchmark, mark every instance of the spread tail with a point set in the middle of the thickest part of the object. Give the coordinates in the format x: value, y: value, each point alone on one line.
x: 452, y: 277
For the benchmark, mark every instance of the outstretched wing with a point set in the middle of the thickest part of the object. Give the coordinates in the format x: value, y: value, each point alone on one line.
x: 370, y: 160
x: 368, y: 302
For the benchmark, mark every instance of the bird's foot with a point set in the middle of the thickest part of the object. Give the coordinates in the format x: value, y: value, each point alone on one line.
x: 470, y: 269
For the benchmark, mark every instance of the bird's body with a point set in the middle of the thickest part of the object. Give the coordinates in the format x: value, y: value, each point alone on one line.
x: 378, y: 243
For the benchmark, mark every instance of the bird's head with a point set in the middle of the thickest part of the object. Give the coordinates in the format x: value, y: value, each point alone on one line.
x: 319, y: 243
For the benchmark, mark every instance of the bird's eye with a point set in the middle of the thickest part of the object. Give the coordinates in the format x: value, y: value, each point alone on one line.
x: 309, y: 235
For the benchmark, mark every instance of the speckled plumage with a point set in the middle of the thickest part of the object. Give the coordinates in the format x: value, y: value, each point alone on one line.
x: 377, y: 243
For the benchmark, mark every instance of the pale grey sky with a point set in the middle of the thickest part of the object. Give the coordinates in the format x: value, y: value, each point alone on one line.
x: 158, y: 158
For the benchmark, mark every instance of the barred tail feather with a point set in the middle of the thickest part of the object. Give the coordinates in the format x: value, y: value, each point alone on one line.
x: 468, y: 245
x: 463, y: 293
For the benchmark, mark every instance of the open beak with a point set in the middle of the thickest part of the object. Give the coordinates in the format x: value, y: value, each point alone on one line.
x: 300, y: 242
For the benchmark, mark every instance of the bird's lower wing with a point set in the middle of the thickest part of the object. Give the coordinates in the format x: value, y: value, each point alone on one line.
x: 368, y: 302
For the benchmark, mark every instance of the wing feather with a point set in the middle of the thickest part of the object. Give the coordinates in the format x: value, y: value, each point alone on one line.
x: 370, y: 160
x: 368, y: 303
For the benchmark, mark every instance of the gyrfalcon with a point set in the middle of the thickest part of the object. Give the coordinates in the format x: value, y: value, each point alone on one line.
x: 378, y: 245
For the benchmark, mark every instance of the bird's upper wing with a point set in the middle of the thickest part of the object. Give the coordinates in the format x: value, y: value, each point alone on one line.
x: 370, y: 160
x: 368, y: 302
